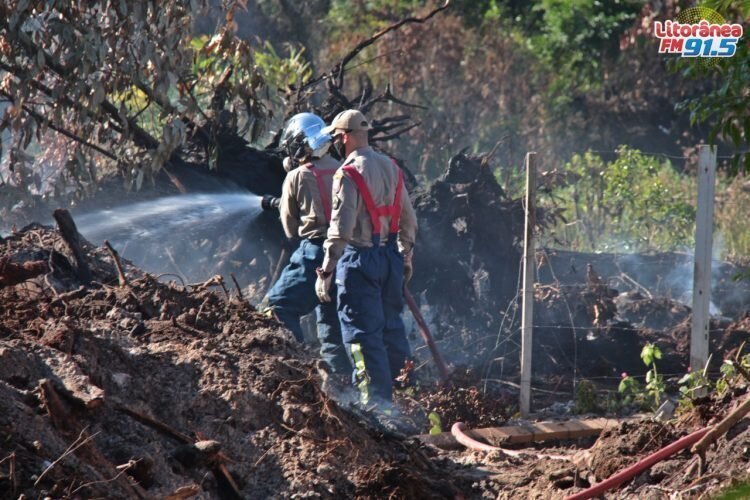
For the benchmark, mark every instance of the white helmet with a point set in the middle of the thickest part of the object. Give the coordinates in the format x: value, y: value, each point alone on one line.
x: 303, y: 138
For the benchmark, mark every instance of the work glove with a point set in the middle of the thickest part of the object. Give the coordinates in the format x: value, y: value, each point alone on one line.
x: 408, y: 269
x: 269, y: 202
x: 323, y: 285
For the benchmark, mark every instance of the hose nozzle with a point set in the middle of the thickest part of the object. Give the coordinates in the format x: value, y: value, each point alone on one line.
x: 269, y: 202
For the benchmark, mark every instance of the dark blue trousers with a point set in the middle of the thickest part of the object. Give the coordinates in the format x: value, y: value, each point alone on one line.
x: 370, y: 299
x: 293, y: 296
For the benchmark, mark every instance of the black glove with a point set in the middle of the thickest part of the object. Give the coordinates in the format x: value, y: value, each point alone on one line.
x: 269, y: 202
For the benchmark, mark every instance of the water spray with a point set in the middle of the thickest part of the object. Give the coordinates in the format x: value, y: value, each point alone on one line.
x: 147, y: 231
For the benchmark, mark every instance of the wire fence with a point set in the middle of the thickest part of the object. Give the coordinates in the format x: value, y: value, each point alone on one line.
x: 662, y: 278
x: 671, y: 156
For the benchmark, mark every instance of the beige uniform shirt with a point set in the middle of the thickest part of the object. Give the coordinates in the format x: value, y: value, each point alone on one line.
x: 350, y: 221
x: 301, y: 206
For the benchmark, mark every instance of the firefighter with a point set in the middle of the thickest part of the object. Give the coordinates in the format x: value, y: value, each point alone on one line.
x: 368, y: 247
x: 305, y: 208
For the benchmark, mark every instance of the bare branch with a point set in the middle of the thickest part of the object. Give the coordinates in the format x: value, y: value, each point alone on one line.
x: 396, y: 134
x: 71, y: 449
x: 338, y: 70
x: 70, y: 135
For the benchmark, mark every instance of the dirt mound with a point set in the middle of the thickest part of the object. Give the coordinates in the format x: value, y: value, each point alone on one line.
x: 160, y: 390
x: 618, y: 448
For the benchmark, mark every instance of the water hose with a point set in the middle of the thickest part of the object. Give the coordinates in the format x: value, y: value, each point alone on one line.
x: 426, y: 335
x: 637, y: 468
x: 457, y: 430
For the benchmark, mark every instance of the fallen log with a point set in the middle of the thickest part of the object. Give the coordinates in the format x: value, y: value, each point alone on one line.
x: 72, y: 239
x: 13, y: 274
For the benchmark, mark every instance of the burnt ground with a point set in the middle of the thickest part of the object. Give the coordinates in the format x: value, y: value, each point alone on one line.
x: 109, y: 368
x: 179, y: 390
x: 157, y: 390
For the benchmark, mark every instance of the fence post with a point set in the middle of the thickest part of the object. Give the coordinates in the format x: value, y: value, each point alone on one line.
x: 529, y: 263
x: 702, y: 269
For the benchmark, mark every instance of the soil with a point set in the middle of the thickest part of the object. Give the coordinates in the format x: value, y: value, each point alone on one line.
x: 157, y: 389
x: 463, y: 399
x: 98, y: 366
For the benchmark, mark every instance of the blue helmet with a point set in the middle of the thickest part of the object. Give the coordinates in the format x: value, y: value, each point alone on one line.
x: 303, y: 137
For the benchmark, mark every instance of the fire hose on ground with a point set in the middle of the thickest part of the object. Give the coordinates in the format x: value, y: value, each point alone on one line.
x: 458, y: 432
x: 638, y: 467
x: 611, y: 482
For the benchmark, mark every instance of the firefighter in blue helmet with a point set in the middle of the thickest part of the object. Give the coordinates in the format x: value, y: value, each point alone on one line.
x: 369, y: 247
x: 305, y: 208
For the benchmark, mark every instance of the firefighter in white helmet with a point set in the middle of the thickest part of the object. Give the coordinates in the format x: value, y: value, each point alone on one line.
x: 305, y: 207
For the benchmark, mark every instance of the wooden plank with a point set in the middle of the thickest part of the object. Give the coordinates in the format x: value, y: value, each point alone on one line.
x: 529, y: 264
x: 702, y: 268
x: 530, y: 432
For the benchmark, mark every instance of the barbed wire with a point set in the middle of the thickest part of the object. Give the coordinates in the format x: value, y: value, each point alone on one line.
x: 616, y: 327
x: 664, y: 289
x: 512, y: 305
x: 668, y: 155
x: 507, y: 340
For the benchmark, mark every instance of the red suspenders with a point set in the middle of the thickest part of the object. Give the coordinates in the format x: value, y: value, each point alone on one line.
x: 325, y: 196
x: 376, y: 212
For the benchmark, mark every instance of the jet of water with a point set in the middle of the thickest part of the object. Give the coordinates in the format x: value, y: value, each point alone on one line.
x: 148, y: 219
x: 191, y: 235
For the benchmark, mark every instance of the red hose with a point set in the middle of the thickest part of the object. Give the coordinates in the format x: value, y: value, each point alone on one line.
x: 637, y: 468
x: 427, y: 336
x: 458, y: 432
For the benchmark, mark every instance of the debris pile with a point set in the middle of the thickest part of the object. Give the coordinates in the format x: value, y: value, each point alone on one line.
x: 466, y: 258
x: 132, y: 388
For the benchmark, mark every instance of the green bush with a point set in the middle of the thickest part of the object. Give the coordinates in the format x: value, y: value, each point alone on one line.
x: 634, y: 203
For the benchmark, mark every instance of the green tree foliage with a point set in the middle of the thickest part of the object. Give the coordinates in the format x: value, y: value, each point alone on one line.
x: 548, y: 75
x: 726, y: 108
x: 119, y: 80
x: 624, y: 204
x: 577, y: 38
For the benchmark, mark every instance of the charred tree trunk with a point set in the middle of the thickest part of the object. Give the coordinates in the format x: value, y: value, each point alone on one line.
x: 72, y: 238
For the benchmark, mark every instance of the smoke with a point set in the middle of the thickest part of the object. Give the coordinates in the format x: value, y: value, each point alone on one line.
x: 679, y: 281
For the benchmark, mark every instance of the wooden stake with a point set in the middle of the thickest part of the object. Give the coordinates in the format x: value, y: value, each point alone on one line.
x: 702, y: 269
x: 527, y: 311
